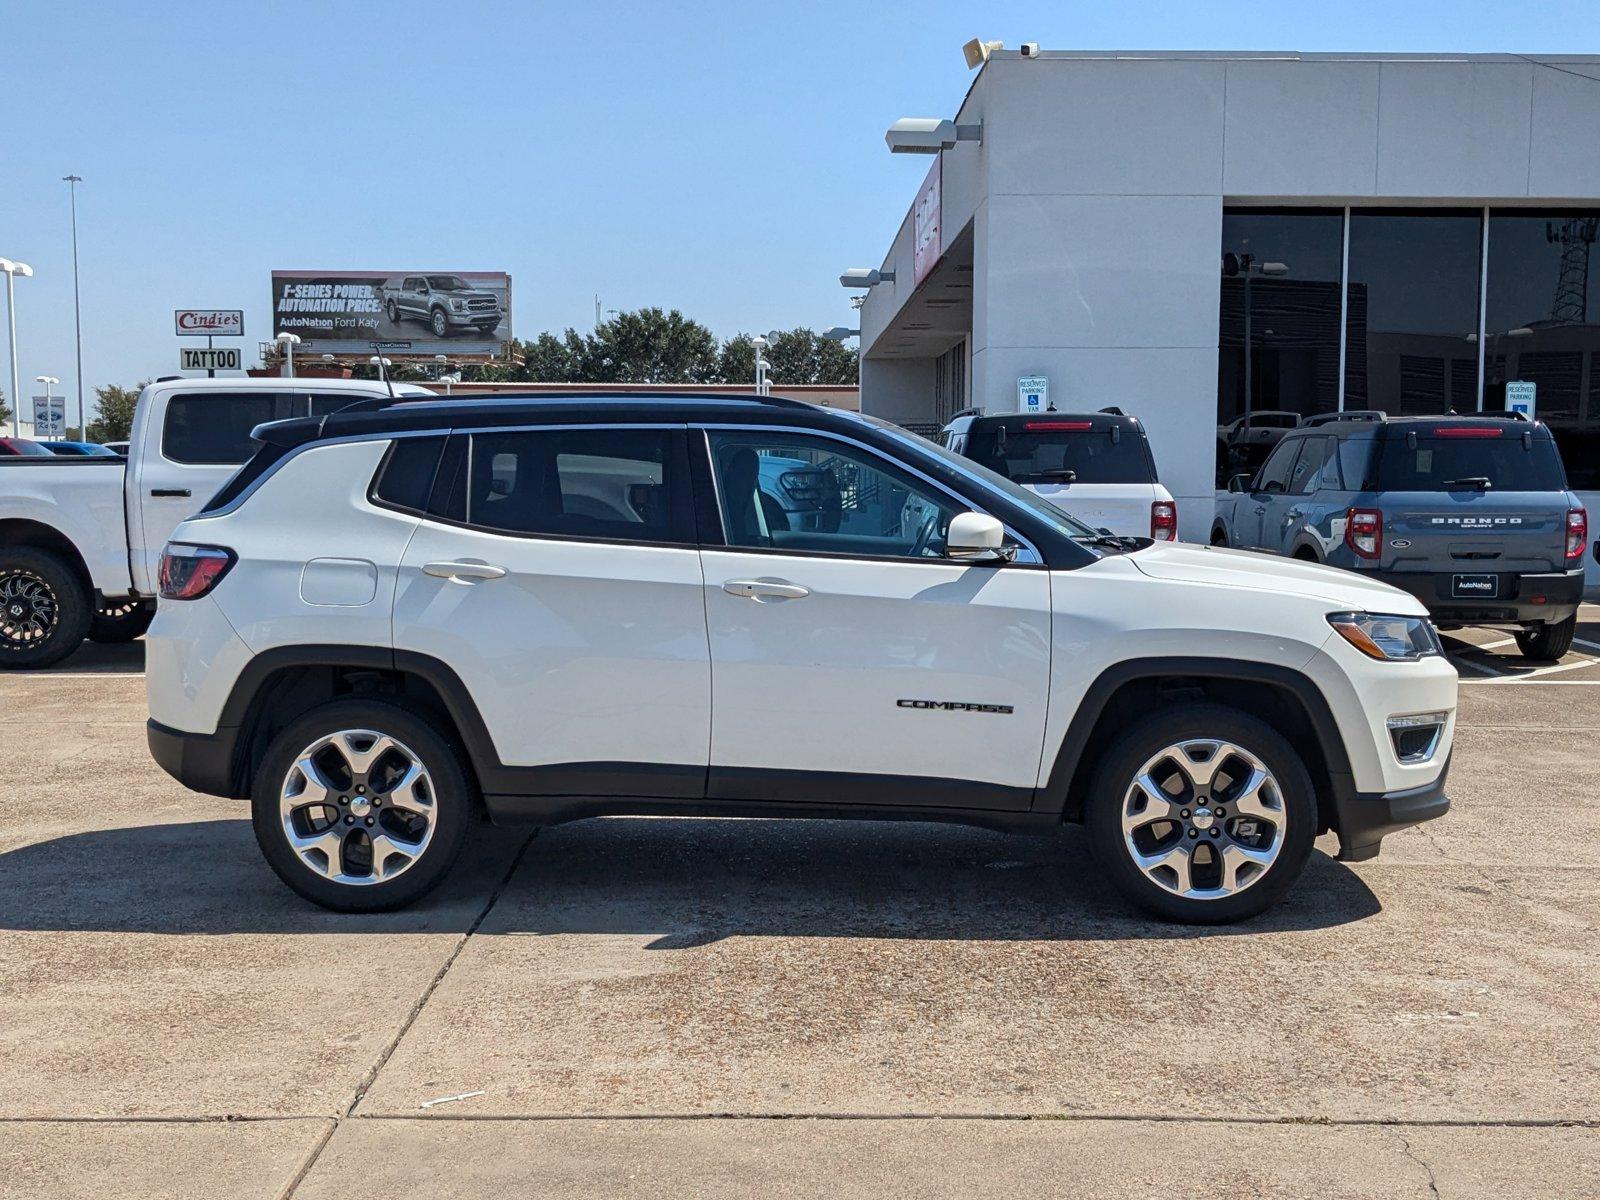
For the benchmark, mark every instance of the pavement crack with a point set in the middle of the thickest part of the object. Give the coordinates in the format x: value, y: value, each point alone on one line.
x: 1433, y: 1184
x: 371, y: 1076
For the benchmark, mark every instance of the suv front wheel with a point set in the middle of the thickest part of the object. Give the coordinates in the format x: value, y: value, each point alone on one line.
x: 1202, y: 814
x: 361, y: 806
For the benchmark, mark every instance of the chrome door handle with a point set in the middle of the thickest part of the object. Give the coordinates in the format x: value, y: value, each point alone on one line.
x: 766, y: 589
x: 463, y: 570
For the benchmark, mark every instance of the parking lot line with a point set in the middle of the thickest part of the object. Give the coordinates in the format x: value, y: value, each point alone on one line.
x: 1524, y: 680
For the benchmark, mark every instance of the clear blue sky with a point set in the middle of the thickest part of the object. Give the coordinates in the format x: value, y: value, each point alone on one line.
x: 723, y: 158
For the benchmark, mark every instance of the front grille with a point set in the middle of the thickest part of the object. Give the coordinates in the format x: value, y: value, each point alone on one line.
x: 486, y: 305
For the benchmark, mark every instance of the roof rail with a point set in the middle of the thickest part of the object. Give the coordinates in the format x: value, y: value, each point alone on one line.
x: 1354, y: 414
x: 973, y: 410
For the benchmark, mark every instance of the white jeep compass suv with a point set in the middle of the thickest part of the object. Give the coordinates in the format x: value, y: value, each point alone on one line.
x: 401, y: 614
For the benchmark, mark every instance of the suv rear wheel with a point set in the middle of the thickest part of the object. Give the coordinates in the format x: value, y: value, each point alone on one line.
x: 1548, y: 642
x: 361, y: 806
x: 1202, y: 814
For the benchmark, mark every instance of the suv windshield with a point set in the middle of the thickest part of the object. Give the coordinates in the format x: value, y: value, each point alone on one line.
x: 448, y: 283
x: 1492, y: 455
x: 1046, y: 451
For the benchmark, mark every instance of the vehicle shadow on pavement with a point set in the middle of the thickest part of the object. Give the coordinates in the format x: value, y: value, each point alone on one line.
x: 680, y: 882
x: 101, y: 658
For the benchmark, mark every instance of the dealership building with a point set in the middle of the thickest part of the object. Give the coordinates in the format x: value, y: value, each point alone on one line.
x: 1190, y: 235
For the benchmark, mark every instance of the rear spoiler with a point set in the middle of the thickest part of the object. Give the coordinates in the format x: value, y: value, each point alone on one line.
x: 296, y: 431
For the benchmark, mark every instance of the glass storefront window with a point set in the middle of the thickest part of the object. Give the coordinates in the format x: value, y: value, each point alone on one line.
x: 1278, y: 341
x: 1542, y: 326
x: 1413, y: 310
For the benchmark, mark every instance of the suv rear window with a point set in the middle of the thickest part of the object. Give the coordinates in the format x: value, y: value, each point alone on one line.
x: 1042, y: 451
x: 1499, y: 453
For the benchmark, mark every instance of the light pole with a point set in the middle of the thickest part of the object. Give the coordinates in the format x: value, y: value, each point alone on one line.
x: 12, y: 270
x: 49, y: 381
x: 760, y: 344
x: 441, y: 374
x: 72, y: 182
x: 383, y: 365
x: 289, y: 341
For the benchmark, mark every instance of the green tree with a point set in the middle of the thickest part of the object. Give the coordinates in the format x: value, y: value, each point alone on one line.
x: 649, y: 346
x: 793, y: 356
x: 552, y: 359
x: 5, y: 411
x: 113, y: 412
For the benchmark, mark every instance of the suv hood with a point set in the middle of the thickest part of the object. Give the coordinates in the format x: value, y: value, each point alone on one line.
x: 1269, y: 573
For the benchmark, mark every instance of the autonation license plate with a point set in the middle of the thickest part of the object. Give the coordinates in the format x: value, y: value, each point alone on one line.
x: 1475, y: 587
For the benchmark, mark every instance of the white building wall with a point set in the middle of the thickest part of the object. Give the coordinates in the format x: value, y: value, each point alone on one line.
x: 1098, y: 188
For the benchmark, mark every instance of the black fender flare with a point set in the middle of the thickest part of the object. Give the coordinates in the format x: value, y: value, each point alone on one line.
x: 1053, y: 796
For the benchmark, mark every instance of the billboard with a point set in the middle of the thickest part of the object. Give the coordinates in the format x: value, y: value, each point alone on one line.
x: 360, y: 313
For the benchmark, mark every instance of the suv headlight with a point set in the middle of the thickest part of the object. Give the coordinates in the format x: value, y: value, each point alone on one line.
x: 458, y: 305
x: 1387, y: 638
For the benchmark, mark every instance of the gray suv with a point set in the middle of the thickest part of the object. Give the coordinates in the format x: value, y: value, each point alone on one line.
x: 1472, y: 515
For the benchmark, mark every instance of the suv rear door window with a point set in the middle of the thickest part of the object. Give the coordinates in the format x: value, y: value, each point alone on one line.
x: 1043, y: 451
x: 1439, y: 459
x: 612, y: 484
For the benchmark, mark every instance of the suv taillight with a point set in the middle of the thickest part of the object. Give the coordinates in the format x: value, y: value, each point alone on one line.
x: 1164, y: 520
x: 1577, y: 532
x: 189, y: 572
x: 1363, y: 531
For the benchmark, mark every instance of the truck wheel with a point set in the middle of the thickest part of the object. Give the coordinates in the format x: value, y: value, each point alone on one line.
x: 1547, y: 643
x: 44, y: 608
x: 361, y: 806
x: 1201, y: 814
x: 441, y: 323
x: 392, y: 312
x: 121, y: 620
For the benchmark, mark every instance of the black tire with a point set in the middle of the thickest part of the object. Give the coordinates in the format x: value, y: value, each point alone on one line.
x: 392, y: 311
x: 44, y: 608
x: 1113, y: 779
x: 453, y: 794
x: 1546, y: 643
x: 121, y: 621
x: 439, y: 322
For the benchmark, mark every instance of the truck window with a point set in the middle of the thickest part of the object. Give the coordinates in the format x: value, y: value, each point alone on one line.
x: 1042, y: 451
x: 1274, y: 476
x: 1497, y: 453
x: 213, y: 428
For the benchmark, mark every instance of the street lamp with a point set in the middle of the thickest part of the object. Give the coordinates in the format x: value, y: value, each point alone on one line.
x: 440, y: 375
x: 762, y: 387
x: 929, y: 135
x: 72, y: 182
x: 383, y: 365
x: 840, y: 334
x: 12, y: 270
x: 864, y: 277
x: 289, y: 341
x: 49, y: 381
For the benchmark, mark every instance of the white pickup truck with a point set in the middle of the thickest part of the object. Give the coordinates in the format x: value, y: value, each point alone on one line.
x: 81, y: 538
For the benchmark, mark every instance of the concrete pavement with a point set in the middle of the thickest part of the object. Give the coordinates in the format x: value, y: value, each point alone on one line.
x: 723, y: 1008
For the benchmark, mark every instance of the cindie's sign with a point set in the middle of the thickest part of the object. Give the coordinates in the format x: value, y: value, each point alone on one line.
x: 209, y: 322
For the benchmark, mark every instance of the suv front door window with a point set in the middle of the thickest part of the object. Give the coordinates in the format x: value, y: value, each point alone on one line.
x: 835, y: 620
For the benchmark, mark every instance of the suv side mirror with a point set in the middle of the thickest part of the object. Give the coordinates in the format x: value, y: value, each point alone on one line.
x: 977, y: 538
x: 1239, y: 482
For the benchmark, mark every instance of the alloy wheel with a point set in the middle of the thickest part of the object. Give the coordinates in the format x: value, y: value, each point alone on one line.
x: 357, y: 807
x: 1204, y: 819
x: 29, y: 609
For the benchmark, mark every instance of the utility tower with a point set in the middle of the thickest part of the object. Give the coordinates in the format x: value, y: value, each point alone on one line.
x: 1576, y: 237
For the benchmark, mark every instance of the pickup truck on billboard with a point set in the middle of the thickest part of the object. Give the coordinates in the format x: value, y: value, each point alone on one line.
x: 446, y: 303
